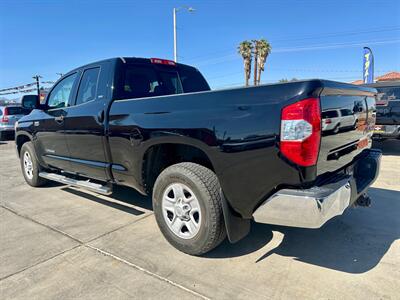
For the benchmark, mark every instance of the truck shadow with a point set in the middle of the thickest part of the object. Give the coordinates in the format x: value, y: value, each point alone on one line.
x: 123, y: 195
x: 352, y: 243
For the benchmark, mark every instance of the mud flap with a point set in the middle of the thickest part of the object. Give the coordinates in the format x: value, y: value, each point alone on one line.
x: 236, y: 227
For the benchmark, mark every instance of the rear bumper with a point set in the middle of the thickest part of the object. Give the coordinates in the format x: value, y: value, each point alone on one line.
x: 8, y: 128
x: 391, y: 131
x: 311, y: 208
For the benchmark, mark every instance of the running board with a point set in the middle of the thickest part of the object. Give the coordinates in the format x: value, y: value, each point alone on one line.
x: 86, y: 184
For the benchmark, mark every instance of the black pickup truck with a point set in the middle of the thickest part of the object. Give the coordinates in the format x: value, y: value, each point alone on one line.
x: 387, y: 110
x: 212, y: 160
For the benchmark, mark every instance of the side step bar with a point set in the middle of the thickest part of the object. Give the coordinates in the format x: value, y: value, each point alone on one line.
x: 86, y: 184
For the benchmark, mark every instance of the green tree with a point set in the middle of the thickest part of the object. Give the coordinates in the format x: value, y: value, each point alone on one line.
x: 263, y: 50
x: 284, y: 80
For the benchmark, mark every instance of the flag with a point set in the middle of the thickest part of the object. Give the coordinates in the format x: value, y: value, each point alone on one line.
x: 368, y: 66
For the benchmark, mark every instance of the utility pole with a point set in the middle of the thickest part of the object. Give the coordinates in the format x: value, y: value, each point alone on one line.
x: 37, y: 77
x: 174, y: 11
x: 175, y: 41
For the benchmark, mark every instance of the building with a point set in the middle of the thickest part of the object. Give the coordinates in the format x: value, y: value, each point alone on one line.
x: 391, y: 76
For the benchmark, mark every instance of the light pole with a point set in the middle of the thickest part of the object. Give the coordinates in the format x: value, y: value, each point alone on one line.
x: 175, y: 10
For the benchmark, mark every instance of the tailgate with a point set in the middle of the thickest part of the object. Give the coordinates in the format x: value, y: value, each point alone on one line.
x: 348, y: 118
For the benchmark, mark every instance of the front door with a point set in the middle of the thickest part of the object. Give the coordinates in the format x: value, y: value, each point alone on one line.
x: 49, y: 129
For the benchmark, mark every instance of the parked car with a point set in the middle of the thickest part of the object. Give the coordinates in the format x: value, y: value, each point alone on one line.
x: 387, y: 110
x: 212, y: 160
x: 336, y: 119
x: 383, y: 132
x: 8, y: 116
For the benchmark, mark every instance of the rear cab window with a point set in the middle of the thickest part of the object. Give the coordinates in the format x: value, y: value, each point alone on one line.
x: 151, y: 80
x: 16, y: 110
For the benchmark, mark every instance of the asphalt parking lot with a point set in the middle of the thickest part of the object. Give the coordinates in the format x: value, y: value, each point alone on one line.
x: 58, y: 242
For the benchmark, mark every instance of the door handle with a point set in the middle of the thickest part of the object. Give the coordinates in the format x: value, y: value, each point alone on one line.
x: 100, y: 116
x: 59, y: 119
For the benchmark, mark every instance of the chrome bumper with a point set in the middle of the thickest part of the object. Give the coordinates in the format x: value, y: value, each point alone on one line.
x: 304, y: 208
x: 311, y: 208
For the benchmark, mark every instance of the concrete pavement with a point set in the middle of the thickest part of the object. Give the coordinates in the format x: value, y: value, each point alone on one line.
x: 65, y: 243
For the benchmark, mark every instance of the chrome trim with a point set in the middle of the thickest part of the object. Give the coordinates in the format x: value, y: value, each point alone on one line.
x: 94, y: 187
x: 309, y: 208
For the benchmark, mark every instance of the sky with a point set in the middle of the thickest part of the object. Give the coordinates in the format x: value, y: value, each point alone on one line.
x: 309, y: 38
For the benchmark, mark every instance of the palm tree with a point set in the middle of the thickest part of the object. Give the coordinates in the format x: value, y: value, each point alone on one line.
x: 256, y: 57
x: 263, y: 49
x: 245, y: 50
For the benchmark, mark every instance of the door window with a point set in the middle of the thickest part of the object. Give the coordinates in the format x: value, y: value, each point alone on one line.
x: 88, y: 86
x: 61, y: 93
x: 346, y: 112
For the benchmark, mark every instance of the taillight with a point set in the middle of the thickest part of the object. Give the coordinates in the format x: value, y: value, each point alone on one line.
x: 4, y: 119
x: 301, y: 131
x: 328, y: 121
x: 162, y: 61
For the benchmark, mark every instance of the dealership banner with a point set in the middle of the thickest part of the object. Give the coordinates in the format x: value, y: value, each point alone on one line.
x: 368, y: 66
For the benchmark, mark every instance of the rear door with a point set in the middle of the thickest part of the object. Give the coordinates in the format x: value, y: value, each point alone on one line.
x: 84, y: 122
x: 49, y: 127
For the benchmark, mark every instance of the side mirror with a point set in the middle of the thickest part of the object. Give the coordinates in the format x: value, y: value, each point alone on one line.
x: 30, y: 101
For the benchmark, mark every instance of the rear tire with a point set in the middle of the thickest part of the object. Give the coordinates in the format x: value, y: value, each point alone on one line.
x: 188, y: 208
x: 336, y: 129
x: 30, y: 166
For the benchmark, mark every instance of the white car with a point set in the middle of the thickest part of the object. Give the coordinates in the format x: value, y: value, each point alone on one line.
x: 336, y: 119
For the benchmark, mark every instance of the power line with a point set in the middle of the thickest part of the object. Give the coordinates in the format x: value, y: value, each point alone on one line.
x: 25, y: 88
x: 314, y: 37
x: 235, y: 56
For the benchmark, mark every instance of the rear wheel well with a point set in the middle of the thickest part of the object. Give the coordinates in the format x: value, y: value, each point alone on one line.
x: 159, y: 157
x: 21, y: 139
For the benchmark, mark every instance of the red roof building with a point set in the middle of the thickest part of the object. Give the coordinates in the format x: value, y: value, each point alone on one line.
x: 357, y: 82
x: 391, y: 76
